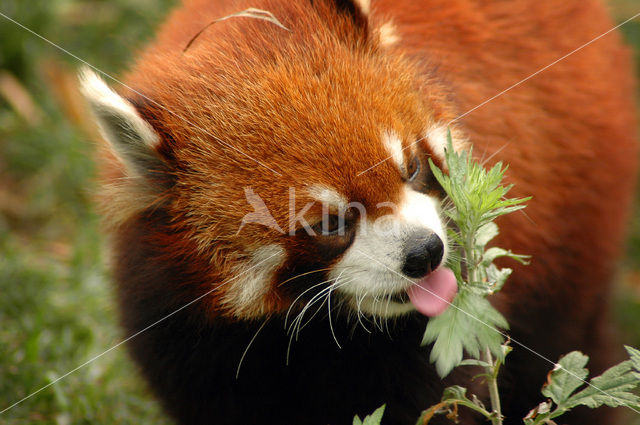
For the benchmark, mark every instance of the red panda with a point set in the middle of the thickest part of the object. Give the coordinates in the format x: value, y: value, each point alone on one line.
x: 252, y: 154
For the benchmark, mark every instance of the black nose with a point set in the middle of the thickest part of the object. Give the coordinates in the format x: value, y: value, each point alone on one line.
x: 423, y: 252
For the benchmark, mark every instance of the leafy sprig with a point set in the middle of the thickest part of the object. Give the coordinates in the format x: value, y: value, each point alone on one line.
x: 471, y: 323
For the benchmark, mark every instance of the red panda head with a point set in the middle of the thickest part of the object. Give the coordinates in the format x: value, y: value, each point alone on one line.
x: 290, y: 163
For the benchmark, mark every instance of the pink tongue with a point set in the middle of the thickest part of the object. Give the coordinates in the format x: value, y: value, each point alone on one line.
x: 432, y: 295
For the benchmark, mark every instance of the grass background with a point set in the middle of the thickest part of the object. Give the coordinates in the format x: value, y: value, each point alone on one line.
x: 56, y: 310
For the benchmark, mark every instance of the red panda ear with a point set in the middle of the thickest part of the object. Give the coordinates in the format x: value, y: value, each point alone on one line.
x: 357, y: 10
x: 132, y: 139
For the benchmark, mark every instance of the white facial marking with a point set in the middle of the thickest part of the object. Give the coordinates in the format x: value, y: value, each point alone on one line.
x: 246, y: 293
x: 437, y: 139
x: 328, y: 196
x: 394, y: 145
x: 421, y: 211
x: 371, y: 268
x: 388, y: 34
x: 365, y: 6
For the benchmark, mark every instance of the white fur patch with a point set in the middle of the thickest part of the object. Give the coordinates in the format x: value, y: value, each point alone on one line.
x: 328, y: 196
x: 436, y: 137
x: 422, y: 210
x: 371, y: 269
x: 394, y: 146
x: 245, y: 295
x: 365, y: 6
x: 388, y: 34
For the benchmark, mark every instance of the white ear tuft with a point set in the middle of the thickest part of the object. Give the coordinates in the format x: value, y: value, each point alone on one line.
x: 388, y: 34
x: 364, y: 5
x: 132, y: 138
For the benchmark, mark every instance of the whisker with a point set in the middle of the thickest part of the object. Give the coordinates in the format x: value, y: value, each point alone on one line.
x: 329, y: 309
x: 376, y: 300
x: 301, y: 295
x: 317, y: 297
x: 248, y: 346
x: 296, y: 325
x: 327, y: 292
x: 386, y: 313
x: 359, y: 315
x: 304, y: 274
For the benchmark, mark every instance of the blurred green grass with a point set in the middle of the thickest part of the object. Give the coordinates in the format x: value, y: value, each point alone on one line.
x: 56, y: 310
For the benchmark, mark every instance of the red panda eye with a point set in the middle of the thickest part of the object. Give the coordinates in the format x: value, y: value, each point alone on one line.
x: 330, y: 225
x: 414, y: 169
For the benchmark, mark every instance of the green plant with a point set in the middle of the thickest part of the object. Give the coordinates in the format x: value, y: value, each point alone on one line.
x: 372, y: 419
x: 472, y: 324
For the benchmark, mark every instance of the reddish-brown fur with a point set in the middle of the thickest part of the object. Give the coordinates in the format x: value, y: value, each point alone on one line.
x: 327, y: 88
x: 221, y: 73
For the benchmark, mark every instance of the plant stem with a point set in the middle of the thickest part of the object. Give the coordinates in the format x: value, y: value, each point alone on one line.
x: 474, y: 276
x: 492, y: 384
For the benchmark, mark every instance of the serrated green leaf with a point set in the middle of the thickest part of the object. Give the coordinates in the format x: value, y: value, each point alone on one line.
x: 491, y: 254
x: 612, y: 388
x: 437, y: 173
x: 373, y: 419
x: 485, y: 233
x: 566, y: 377
x: 471, y: 324
x: 634, y: 354
x: 497, y: 277
x: 447, y: 350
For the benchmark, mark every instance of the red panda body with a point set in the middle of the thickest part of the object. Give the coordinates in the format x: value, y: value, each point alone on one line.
x: 327, y: 99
